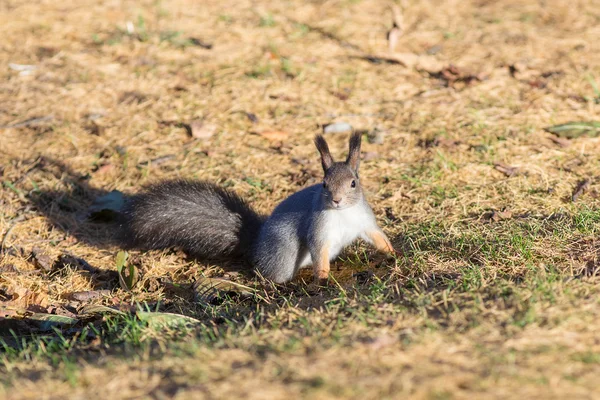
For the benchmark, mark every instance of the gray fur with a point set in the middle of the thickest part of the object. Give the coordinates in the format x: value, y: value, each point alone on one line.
x: 202, y: 219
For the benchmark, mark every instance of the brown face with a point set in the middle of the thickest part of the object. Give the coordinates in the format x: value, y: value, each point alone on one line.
x: 341, y: 188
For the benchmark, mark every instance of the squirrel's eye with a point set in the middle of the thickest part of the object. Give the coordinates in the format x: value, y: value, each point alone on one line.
x: 353, y: 184
x: 324, y: 184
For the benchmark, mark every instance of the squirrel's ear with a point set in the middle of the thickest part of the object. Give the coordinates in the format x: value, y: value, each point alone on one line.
x: 326, y: 159
x: 354, y: 155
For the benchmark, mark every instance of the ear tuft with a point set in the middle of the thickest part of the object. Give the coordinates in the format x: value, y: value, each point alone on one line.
x: 326, y: 159
x: 353, y: 159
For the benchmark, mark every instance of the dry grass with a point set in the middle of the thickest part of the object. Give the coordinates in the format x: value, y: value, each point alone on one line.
x: 502, y: 307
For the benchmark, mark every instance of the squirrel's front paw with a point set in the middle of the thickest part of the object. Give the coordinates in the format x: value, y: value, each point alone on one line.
x: 322, y: 281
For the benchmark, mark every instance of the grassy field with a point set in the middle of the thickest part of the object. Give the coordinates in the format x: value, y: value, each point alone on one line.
x: 496, y: 294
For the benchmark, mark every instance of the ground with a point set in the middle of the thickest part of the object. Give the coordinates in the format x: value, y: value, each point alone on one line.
x: 496, y: 292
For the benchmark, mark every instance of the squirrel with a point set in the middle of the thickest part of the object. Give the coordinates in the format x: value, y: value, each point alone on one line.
x: 310, y: 227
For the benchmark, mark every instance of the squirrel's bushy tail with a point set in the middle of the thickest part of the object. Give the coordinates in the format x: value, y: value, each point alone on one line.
x: 202, y: 219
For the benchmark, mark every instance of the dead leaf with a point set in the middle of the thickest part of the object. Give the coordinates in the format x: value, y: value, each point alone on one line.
x: 98, y: 309
x: 343, y: 94
x: 88, y: 295
x: 201, y: 130
x: 337, y: 127
x: 370, y: 156
x: 8, y: 311
x: 581, y: 187
x: 452, y: 74
x: 200, y: 43
x: 104, y: 169
x: 560, y: 141
x: 132, y: 97
x: 572, y: 130
x: 22, y: 297
x: 157, y: 161
x: 506, y: 169
x: 537, y: 84
x: 252, y: 117
x: 497, y: 216
x: 42, y: 260
x: 46, y: 322
x: 274, y: 135
x: 162, y: 319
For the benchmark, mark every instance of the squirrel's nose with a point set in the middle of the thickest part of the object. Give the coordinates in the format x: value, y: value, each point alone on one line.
x: 337, y: 201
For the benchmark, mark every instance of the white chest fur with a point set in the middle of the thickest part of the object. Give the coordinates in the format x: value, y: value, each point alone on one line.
x: 345, y: 226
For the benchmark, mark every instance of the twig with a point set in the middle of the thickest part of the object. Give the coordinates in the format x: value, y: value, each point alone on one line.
x: 28, y: 122
x: 580, y: 188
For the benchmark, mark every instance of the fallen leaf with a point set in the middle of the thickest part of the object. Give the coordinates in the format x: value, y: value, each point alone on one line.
x: 581, y: 187
x: 132, y: 97
x: 99, y: 309
x: 107, y: 207
x: 8, y: 311
x: 201, y: 130
x: 42, y: 260
x: 343, y: 94
x: 560, y: 141
x: 19, y: 296
x: 506, y: 169
x: 451, y: 74
x: 274, y: 135
x: 46, y: 52
x: 46, y: 322
x: 496, y: 216
x: 157, y: 161
x: 161, y: 319
x: 252, y: 117
x: 337, y: 127
x: 572, y: 130
x: 537, y: 84
x: 370, y: 156
x: 200, y: 43
x: 88, y: 295
x: 104, y: 169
